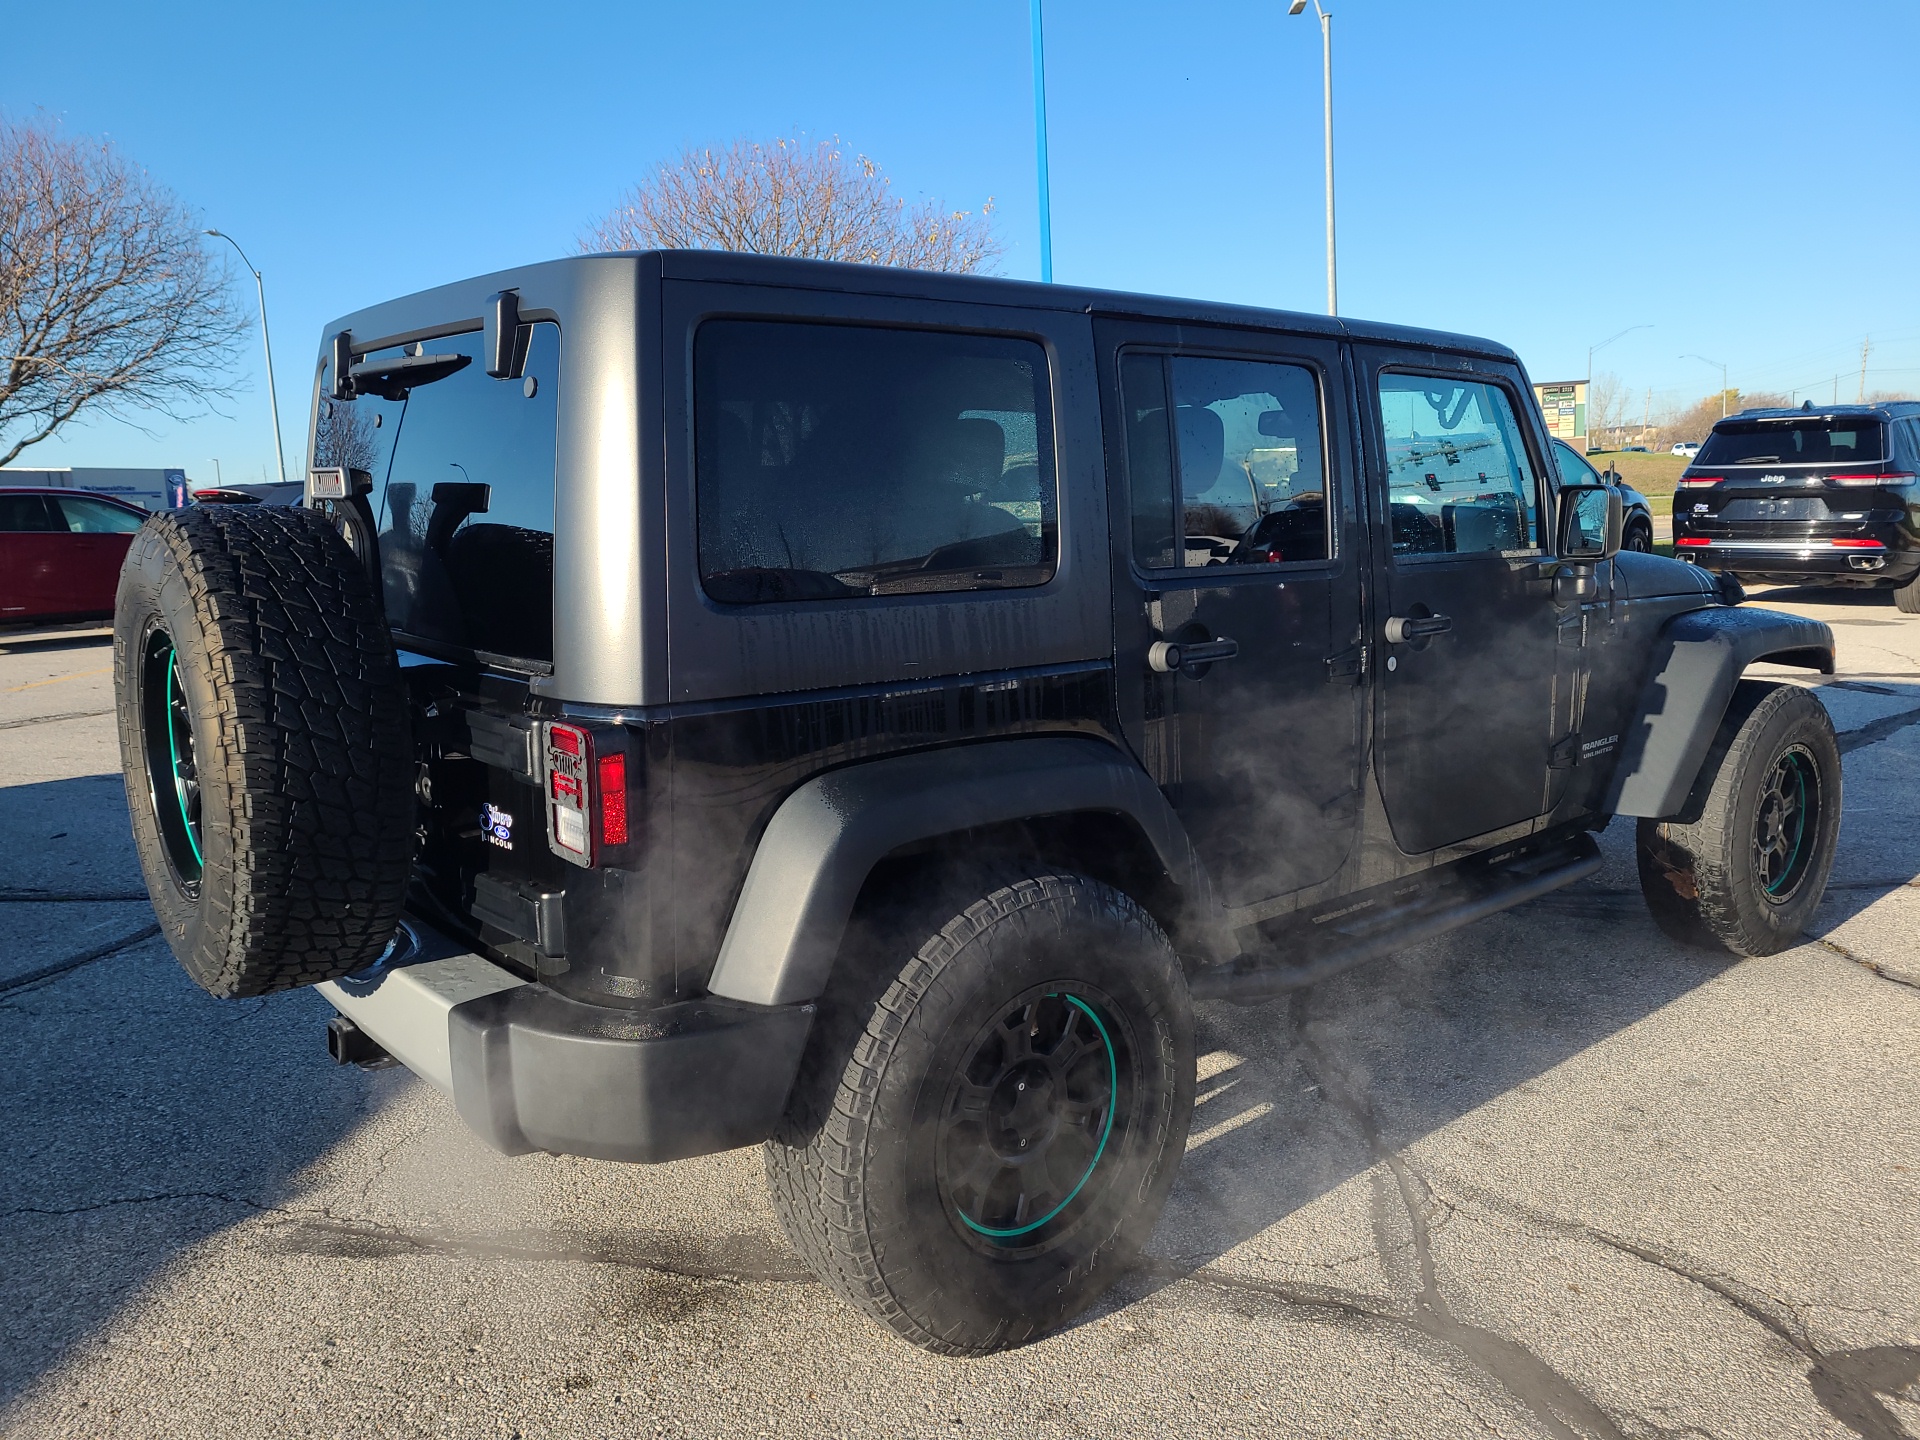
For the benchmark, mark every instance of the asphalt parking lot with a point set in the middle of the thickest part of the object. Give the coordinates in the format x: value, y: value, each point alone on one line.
x: 1549, y: 1176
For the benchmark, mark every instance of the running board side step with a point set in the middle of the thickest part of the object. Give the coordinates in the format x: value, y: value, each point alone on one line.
x: 1255, y: 977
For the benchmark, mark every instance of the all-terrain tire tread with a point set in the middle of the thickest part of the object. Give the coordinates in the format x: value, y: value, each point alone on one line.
x: 818, y: 1187
x: 1707, y: 857
x: 310, y: 742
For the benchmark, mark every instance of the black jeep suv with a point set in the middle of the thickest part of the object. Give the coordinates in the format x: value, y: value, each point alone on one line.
x: 711, y: 700
x: 1823, y: 496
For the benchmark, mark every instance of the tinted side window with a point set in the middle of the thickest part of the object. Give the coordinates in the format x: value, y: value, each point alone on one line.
x: 1458, y: 477
x: 462, y: 474
x: 1251, y: 474
x: 834, y: 462
x: 19, y: 513
x: 1575, y: 468
x: 92, y: 517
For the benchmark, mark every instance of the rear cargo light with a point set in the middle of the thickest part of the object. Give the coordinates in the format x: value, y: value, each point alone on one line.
x: 1869, y: 479
x: 1858, y: 545
x: 613, y: 799
x: 1689, y: 542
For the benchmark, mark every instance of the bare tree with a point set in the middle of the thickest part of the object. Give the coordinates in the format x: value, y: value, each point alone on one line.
x: 109, y: 300
x: 791, y: 198
x: 1606, y: 402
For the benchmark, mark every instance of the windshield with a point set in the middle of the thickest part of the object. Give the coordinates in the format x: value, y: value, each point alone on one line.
x: 1816, y: 440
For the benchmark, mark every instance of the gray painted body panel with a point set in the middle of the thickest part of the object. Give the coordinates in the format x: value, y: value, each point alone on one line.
x: 828, y: 835
x: 601, y: 530
x: 1694, y: 667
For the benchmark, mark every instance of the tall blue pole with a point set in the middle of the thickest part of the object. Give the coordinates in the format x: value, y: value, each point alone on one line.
x: 1040, y: 143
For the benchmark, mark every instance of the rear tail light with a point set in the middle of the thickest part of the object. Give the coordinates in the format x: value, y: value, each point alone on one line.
x: 1858, y: 545
x: 586, y: 794
x: 1688, y: 482
x: 613, y: 799
x: 1869, y: 479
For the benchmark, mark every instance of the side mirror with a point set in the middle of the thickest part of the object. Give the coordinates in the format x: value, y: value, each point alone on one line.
x: 1591, y: 520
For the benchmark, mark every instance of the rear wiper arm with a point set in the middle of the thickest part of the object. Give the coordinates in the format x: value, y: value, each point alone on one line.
x: 394, y: 378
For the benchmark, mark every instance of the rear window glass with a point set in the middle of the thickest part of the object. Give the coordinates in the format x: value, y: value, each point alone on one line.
x: 1818, y: 440
x: 835, y: 462
x: 462, y: 472
x: 96, y: 517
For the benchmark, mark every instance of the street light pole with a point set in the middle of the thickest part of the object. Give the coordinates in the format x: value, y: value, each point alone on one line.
x: 1723, y: 379
x: 1040, y: 140
x: 1326, y: 93
x: 273, y: 399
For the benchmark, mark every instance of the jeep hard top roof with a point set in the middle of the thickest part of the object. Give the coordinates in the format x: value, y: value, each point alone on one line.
x: 405, y: 316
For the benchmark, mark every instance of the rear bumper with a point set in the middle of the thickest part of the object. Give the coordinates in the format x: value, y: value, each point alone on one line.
x: 1889, y: 566
x: 529, y: 1069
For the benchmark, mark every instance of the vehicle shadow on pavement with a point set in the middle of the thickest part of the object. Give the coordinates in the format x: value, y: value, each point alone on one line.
x: 143, y: 1115
x: 1428, y: 1036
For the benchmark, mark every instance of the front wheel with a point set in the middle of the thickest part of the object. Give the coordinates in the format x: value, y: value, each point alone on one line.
x: 1748, y: 873
x: 1907, y: 596
x: 1639, y: 537
x: 981, y: 1146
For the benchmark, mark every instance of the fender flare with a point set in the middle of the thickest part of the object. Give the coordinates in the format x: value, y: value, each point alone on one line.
x: 1697, y: 661
x: 827, y: 836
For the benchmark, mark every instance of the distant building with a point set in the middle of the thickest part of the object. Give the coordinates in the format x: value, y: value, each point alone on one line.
x: 1564, y: 403
x: 148, y: 488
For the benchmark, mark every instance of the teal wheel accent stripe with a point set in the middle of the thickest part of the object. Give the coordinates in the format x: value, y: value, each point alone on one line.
x: 1106, y: 1131
x: 173, y: 749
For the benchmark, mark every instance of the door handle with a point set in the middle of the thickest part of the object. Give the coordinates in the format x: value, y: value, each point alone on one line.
x: 1167, y: 656
x: 1405, y: 629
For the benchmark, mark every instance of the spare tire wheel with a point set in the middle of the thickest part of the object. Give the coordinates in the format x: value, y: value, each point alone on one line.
x: 263, y: 734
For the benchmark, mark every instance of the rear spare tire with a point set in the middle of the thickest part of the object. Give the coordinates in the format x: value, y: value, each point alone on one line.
x: 263, y: 735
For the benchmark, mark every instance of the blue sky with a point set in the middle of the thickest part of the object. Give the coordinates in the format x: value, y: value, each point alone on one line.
x: 1739, y: 176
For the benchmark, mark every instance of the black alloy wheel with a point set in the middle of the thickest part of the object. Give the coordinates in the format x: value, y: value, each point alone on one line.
x: 1029, y: 1116
x: 172, y: 769
x: 1787, y: 815
x: 993, y: 1104
x: 1746, y: 873
x: 1639, y: 537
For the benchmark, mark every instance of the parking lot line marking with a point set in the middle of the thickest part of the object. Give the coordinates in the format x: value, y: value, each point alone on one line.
x: 77, y: 675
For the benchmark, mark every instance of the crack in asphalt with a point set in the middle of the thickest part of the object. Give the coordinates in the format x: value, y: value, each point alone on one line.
x: 1874, y: 731
x: 1847, y: 1383
x: 1552, y: 1398
x: 74, y: 962
x: 1872, y: 966
x: 735, y: 1258
x: 50, y: 719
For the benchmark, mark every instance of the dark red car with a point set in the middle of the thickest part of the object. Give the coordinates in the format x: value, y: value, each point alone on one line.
x: 60, y: 553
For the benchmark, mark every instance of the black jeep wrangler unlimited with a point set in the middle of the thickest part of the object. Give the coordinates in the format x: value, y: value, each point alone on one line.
x: 712, y: 700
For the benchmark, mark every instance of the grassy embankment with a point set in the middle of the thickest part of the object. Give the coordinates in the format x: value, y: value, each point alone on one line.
x: 1652, y: 475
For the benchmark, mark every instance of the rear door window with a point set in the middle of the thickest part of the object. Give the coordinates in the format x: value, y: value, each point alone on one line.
x: 1244, y: 472
x: 834, y: 462
x: 28, y: 514
x: 1816, y: 440
x: 96, y: 517
x: 1459, y: 480
x: 462, y: 477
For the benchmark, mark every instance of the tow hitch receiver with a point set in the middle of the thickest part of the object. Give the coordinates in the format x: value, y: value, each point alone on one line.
x: 348, y: 1044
